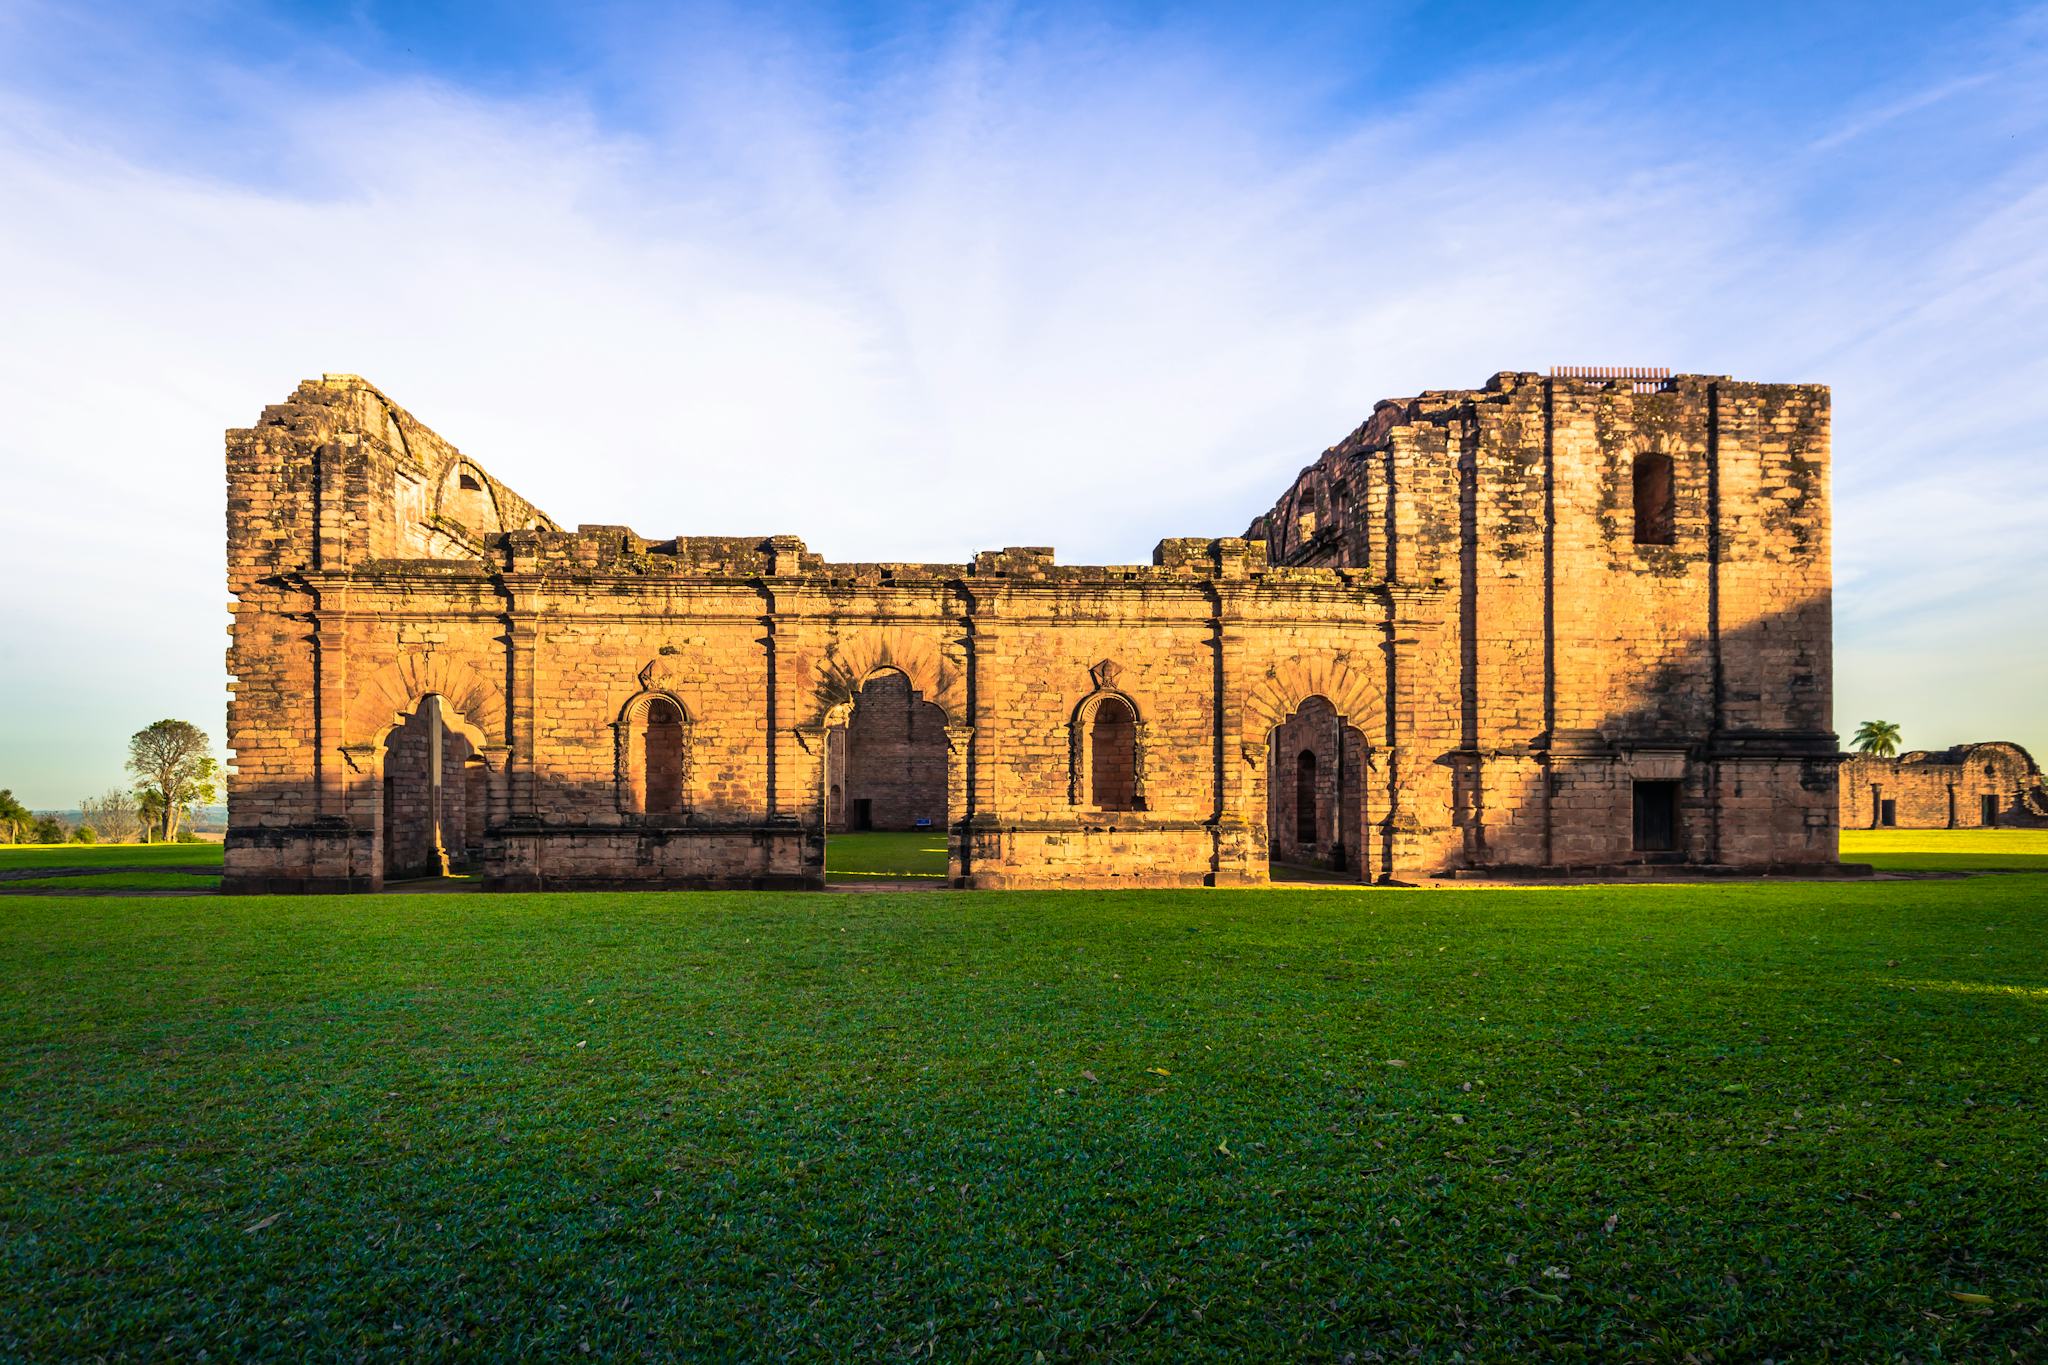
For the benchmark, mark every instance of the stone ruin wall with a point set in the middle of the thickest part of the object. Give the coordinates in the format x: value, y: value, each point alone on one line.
x: 1945, y: 789
x: 1467, y: 597
x: 1583, y: 662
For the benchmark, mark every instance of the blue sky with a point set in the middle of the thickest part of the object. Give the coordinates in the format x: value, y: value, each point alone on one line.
x: 912, y: 281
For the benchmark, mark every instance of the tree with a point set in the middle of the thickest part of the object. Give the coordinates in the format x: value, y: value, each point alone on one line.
x: 1880, y: 737
x: 113, y: 815
x: 48, y: 829
x: 174, y: 769
x: 149, y: 809
x: 85, y: 834
x: 15, y: 820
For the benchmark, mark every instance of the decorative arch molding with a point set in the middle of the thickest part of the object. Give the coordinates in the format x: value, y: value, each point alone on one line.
x: 1104, y: 678
x: 667, y: 674
x: 1356, y: 695
x: 468, y: 496
x: 857, y: 656
x: 473, y: 700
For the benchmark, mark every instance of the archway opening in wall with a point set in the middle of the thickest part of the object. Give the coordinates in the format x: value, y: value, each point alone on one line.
x: 436, y: 796
x: 1315, y: 796
x: 885, y: 784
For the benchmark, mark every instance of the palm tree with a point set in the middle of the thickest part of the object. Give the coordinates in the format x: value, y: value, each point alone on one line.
x: 1880, y: 737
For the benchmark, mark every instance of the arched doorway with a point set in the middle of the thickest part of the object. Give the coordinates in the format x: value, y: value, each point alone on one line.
x: 1315, y: 791
x: 885, y: 783
x: 436, y: 795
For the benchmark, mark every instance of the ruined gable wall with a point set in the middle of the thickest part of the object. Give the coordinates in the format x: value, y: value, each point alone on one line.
x: 321, y: 663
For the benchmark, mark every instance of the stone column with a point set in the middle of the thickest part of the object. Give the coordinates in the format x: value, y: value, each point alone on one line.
x: 959, y: 858
x: 344, y: 787
x: 805, y: 778
x: 519, y: 860
x: 981, y: 830
x: 1238, y: 857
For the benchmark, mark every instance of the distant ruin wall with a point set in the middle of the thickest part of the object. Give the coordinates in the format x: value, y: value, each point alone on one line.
x: 1972, y: 786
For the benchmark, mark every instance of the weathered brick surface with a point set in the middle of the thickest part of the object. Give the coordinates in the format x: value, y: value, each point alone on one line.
x: 1971, y: 786
x: 1575, y: 661
x: 1456, y: 588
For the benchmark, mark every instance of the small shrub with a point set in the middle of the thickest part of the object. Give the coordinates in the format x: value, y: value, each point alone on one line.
x: 85, y: 834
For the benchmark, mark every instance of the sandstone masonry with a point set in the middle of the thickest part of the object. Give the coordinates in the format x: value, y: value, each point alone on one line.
x: 1972, y: 786
x: 1550, y: 623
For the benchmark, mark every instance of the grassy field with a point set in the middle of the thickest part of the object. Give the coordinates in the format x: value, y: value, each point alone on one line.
x: 1739, y: 1121
x: 924, y: 855
x: 117, y: 881
x: 880, y: 853
x: 1948, y: 850
x: 21, y: 856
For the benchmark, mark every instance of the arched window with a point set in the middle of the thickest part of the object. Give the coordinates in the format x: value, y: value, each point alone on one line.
x: 1654, y: 520
x: 1305, y: 797
x: 1113, y: 755
x: 653, y: 757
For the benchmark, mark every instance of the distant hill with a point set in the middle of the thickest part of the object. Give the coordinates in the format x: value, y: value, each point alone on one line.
x: 204, y: 817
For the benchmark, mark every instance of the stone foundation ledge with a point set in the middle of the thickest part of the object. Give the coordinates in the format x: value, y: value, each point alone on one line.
x: 1640, y: 872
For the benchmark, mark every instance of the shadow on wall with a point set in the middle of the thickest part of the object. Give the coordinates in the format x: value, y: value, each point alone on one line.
x: 1720, y: 755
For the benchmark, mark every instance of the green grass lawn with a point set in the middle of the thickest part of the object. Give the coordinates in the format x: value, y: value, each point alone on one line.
x: 21, y: 856
x: 1736, y: 1120
x: 880, y: 853
x: 1948, y: 850
x: 117, y: 881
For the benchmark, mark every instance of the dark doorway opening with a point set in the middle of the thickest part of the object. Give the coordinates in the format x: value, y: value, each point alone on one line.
x: 1656, y: 817
x: 863, y: 812
x: 1988, y: 808
x: 1305, y: 822
x: 1887, y: 813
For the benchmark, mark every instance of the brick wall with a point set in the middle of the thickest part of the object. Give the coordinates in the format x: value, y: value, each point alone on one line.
x: 1580, y: 662
x: 1469, y: 602
x: 1971, y: 786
